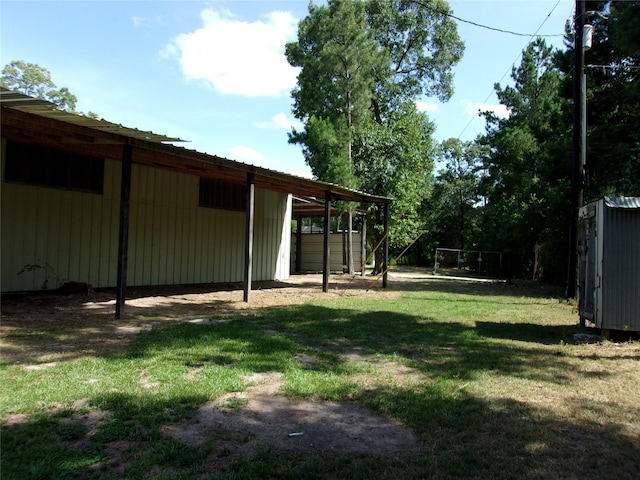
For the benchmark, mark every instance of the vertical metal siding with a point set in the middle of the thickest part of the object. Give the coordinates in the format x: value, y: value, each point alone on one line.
x: 312, y: 252
x: 68, y: 236
x: 271, y: 232
x: 621, y: 268
x: 172, y: 240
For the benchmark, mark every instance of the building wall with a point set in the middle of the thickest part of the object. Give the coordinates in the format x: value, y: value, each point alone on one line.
x: 312, y: 252
x: 52, y: 236
x: 620, y: 280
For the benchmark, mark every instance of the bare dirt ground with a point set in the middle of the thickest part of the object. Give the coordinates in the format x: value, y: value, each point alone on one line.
x: 41, y: 330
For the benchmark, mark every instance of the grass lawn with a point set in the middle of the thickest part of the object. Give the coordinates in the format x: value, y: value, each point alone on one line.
x: 486, y: 376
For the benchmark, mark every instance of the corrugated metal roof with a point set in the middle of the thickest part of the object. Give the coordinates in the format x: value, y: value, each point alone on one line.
x: 622, y: 202
x: 44, y: 108
x: 158, y: 151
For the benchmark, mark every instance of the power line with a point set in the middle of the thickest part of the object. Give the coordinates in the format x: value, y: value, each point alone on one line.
x: 480, y: 25
x: 511, y: 66
x: 500, y: 29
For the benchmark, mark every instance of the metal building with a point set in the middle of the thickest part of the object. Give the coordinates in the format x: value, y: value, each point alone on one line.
x: 609, y: 263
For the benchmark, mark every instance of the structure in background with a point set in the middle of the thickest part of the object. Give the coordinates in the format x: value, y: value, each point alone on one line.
x: 476, y: 261
x: 609, y: 263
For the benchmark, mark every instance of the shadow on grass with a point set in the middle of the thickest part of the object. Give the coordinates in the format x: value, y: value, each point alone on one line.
x: 526, y: 332
x: 467, y: 437
x: 270, y: 341
x: 127, y: 443
x: 460, y: 437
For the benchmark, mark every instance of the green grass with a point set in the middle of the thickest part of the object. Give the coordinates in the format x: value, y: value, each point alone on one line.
x: 495, y: 389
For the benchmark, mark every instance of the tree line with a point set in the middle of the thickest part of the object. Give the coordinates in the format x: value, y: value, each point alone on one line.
x: 509, y: 189
x: 364, y: 63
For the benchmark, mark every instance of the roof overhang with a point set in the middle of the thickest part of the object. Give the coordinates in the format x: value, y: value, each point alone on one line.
x: 26, y: 119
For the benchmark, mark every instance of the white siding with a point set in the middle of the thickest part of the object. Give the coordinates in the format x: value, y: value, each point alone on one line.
x: 312, y: 253
x: 271, y: 236
x: 73, y: 236
x: 54, y: 236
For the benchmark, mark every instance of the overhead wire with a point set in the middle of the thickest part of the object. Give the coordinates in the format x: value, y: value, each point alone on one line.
x: 534, y: 35
x: 495, y: 29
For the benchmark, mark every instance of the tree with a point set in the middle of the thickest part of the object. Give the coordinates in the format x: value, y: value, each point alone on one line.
x: 396, y: 157
x: 422, y: 44
x: 451, y: 207
x: 527, y: 169
x: 35, y: 81
x: 361, y: 63
x: 337, y: 56
x: 334, y: 87
x: 613, y: 101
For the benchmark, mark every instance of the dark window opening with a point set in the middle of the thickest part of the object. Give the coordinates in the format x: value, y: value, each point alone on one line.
x: 46, y: 167
x: 222, y: 195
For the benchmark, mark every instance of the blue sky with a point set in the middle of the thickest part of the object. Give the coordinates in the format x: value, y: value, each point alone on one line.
x: 214, y: 73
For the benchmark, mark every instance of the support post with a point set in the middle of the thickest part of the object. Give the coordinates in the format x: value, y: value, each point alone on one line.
x: 248, y: 243
x: 123, y: 233
x: 326, y: 264
x: 385, y: 260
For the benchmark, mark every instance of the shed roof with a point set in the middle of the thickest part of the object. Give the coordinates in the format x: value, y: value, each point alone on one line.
x: 622, y: 202
x: 33, y: 120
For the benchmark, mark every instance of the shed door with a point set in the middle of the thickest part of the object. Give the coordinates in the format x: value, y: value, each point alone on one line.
x: 587, y: 257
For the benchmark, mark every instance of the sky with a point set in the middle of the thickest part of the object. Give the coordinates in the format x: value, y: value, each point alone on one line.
x: 214, y: 73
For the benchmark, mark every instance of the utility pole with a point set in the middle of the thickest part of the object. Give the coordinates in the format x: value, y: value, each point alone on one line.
x: 579, y: 142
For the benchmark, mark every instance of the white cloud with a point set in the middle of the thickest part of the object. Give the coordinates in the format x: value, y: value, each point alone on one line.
x: 426, y: 106
x: 474, y: 108
x: 280, y: 121
x: 147, y: 21
x: 238, y: 57
x: 247, y: 155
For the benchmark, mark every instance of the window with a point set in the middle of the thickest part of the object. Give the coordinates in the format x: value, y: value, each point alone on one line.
x: 222, y: 195
x: 46, y: 167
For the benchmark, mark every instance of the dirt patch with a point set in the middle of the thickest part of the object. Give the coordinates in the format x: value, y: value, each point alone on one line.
x: 263, y: 417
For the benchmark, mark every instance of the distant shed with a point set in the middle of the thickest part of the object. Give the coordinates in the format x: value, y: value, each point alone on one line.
x: 609, y: 263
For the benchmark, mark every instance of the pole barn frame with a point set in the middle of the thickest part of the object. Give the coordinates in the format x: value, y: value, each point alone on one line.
x: 248, y: 254
x: 123, y: 234
x: 32, y: 121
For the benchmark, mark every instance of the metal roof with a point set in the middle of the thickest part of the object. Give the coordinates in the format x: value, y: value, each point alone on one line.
x: 44, y: 108
x: 622, y: 202
x: 29, y: 119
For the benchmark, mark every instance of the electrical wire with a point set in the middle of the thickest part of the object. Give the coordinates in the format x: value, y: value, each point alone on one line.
x: 480, y: 25
x: 471, y: 120
x: 501, y: 30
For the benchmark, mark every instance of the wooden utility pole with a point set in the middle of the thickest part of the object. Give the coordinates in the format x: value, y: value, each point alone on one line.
x: 579, y: 143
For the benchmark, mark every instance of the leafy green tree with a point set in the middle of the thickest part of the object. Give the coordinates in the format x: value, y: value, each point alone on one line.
x: 422, y: 45
x: 35, y: 81
x: 361, y: 63
x: 613, y: 101
x: 396, y: 157
x: 451, y: 209
x: 337, y: 55
x: 526, y: 180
